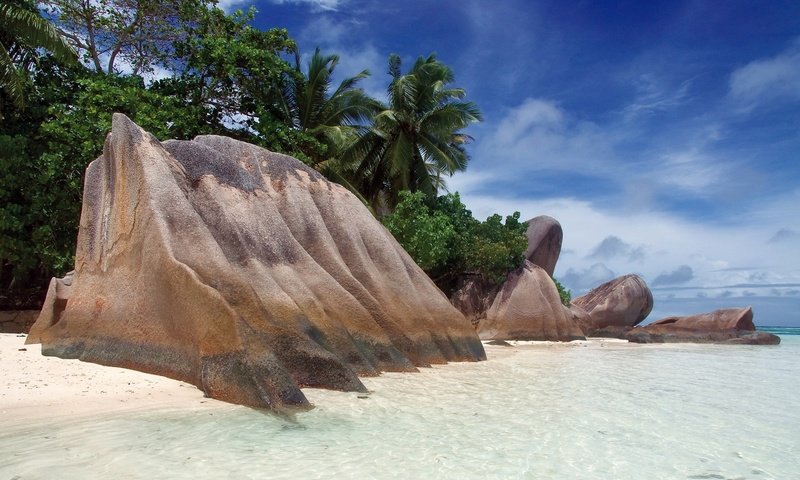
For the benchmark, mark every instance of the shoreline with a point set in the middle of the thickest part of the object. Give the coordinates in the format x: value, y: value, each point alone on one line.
x: 37, y: 387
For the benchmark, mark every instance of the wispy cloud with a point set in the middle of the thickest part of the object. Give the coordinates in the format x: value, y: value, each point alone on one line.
x: 536, y: 117
x: 653, y: 97
x: 317, y: 5
x: 692, y: 171
x: 538, y: 134
x: 768, y: 79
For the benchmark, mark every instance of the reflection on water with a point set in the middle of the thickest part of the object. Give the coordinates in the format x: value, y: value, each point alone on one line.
x: 611, y: 411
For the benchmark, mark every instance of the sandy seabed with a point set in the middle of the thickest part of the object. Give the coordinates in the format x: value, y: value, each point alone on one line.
x: 596, y: 409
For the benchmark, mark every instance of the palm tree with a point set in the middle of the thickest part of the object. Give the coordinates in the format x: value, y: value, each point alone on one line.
x: 22, y: 32
x: 329, y: 118
x: 416, y: 138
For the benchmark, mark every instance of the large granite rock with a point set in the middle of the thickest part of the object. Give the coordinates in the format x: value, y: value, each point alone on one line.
x: 619, y: 304
x: 528, y: 307
x: 474, y: 297
x: 729, y: 325
x: 544, y: 242
x: 242, y: 272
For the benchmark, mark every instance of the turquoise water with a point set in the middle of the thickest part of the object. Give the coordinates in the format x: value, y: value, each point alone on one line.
x: 782, y: 331
x: 600, y: 410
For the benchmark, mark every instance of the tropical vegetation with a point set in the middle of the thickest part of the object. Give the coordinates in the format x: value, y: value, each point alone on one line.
x: 184, y: 68
x: 563, y: 293
x: 417, y: 138
x: 449, y: 243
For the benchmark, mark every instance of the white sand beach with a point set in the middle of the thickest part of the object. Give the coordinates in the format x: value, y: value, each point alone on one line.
x: 33, y: 385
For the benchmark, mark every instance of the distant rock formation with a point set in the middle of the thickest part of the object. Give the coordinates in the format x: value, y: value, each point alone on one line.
x: 528, y: 307
x: 544, y: 242
x: 729, y: 325
x: 243, y: 272
x: 616, y: 305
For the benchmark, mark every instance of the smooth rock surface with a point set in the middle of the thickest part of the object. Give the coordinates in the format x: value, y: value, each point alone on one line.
x: 544, y: 242
x: 718, y: 320
x: 622, y: 302
x: 728, y: 325
x: 243, y: 272
x: 528, y: 307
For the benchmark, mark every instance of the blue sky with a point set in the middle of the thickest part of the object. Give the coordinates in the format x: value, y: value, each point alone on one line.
x: 664, y: 136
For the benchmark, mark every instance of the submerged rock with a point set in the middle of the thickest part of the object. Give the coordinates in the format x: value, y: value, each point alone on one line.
x: 528, y: 307
x: 243, y: 272
x: 729, y: 325
x: 544, y: 242
x: 620, y: 303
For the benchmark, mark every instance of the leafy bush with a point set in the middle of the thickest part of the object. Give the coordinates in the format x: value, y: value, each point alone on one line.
x: 426, y: 235
x: 566, y: 295
x: 448, y: 242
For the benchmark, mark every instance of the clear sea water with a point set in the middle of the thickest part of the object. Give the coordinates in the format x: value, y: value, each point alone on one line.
x: 577, y: 411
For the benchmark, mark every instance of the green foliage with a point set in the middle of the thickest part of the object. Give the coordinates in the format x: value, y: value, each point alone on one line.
x: 229, y: 78
x: 426, y: 235
x: 566, y: 295
x: 49, y: 145
x: 497, y: 247
x: 233, y: 73
x: 447, y: 241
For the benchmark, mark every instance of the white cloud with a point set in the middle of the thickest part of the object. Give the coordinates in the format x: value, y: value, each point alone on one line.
x: 767, y: 80
x: 539, y: 135
x: 533, y: 115
x: 318, y: 5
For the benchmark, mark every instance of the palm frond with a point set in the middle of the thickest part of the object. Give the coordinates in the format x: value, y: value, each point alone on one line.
x: 10, y: 79
x: 34, y: 31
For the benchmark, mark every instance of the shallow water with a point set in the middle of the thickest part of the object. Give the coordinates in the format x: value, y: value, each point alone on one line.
x: 598, y: 410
